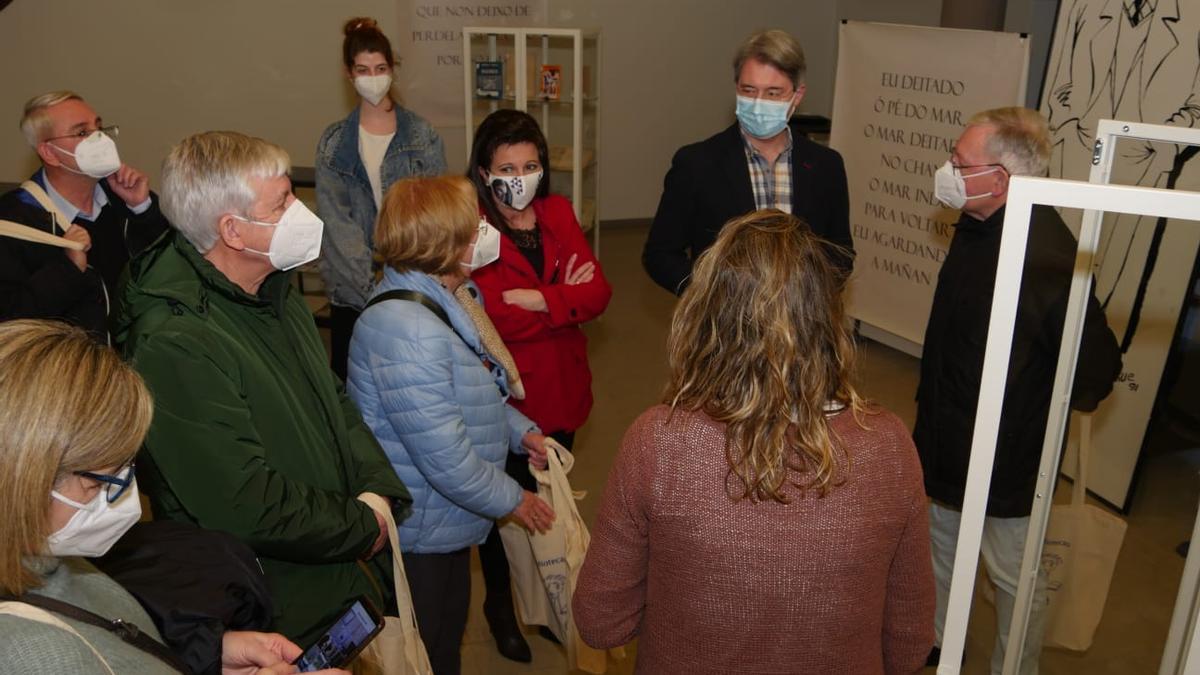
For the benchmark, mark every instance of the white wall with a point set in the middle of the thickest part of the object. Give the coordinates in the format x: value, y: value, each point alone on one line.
x: 162, y: 70
x: 272, y: 68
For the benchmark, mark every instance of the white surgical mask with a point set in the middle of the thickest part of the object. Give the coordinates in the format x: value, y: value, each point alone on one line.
x: 96, y: 525
x: 515, y: 192
x: 297, y: 237
x: 762, y: 118
x: 373, y: 87
x: 951, y: 189
x: 96, y: 155
x: 487, y: 247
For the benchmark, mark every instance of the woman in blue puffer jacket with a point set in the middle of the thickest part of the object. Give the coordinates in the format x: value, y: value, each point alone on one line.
x: 435, y: 399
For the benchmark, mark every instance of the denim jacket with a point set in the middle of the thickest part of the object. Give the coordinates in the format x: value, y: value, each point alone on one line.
x: 345, y: 201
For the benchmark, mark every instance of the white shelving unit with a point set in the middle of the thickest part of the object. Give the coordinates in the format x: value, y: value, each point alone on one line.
x: 570, y: 122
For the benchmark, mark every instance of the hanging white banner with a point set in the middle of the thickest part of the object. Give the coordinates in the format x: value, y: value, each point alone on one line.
x: 1139, y: 66
x: 430, y: 46
x: 902, y: 96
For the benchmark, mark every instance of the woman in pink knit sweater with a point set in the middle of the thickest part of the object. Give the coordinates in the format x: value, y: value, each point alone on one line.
x: 765, y: 519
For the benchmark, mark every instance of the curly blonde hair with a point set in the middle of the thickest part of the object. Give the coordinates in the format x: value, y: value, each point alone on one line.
x: 759, y: 343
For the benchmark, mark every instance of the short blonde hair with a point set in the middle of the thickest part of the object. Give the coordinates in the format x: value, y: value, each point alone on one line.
x: 207, y: 175
x: 426, y: 223
x: 70, y: 404
x: 776, y: 48
x: 35, y: 122
x: 1019, y: 139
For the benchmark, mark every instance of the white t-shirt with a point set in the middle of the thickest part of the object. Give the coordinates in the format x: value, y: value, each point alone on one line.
x: 372, y: 148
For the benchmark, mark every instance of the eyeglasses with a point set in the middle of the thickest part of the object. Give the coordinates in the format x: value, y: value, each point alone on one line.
x: 958, y: 168
x: 114, y: 486
x: 770, y: 93
x: 111, y: 130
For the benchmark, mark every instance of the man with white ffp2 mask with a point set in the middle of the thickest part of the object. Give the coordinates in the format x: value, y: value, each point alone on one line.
x: 85, y: 194
x: 995, y: 145
x: 757, y: 163
x: 252, y: 433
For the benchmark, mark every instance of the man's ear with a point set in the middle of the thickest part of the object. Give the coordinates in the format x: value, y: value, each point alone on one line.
x: 47, y: 154
x: 1000, y: 183
x: 797, y: 97
x: 801, y: 89
x: 229, y: 232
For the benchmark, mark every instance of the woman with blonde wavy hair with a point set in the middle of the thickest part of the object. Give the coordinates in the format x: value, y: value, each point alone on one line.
x: 764, y: 518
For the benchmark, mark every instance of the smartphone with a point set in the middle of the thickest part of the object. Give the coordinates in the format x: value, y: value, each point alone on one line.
x: 338, y: 646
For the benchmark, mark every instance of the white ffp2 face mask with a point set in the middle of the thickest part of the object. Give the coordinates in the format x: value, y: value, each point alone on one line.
x: 951, y: 189
x: 515, y: 192
x: 487, y: 247
x: 96, y: 155
x: 96, y: 525
x: 373, y: 87
x: 297, y: 237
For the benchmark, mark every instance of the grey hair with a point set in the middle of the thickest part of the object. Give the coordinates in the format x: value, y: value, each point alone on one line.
x: 35, y: 121
x: 774, y: 47
x: 207, y: 175
x: 1019, y: 139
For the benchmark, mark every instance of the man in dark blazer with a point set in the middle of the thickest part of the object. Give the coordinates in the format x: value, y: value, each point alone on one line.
x: 759, y: 162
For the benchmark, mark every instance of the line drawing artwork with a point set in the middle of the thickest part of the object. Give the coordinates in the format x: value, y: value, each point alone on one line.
x: 1133, y: 61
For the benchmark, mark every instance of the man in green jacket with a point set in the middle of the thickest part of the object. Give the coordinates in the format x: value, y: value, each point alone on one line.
x: 252, y: 433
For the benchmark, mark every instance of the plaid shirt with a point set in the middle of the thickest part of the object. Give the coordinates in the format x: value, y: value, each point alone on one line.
x: 772, y: 184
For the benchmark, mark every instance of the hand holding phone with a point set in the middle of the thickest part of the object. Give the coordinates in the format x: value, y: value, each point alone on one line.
x: 344, y: 640
x: 253, y: 653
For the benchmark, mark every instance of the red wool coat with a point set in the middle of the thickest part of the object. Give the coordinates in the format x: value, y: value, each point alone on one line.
x: 549, y: 348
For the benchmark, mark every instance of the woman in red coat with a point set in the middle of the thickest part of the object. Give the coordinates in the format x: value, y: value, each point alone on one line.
x: 545, y: 284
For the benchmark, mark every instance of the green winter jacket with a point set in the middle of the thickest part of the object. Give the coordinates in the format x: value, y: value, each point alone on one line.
x: 253, y: 434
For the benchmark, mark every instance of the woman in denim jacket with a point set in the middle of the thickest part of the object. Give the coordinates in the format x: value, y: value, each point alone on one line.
x: 358, y: 159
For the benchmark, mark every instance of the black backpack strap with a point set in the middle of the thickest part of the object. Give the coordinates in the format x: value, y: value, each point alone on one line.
x: 125, y: 630
x: 413, y: 296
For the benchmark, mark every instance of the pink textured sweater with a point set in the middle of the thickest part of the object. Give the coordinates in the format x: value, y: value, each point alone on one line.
x: 840, y: 584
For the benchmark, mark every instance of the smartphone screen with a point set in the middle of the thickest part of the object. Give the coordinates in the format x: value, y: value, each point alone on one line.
x: 344, y: 639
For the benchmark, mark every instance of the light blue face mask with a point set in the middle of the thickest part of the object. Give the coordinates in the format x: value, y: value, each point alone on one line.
x: 762, y: 118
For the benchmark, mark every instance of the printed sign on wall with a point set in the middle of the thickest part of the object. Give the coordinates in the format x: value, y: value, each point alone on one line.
x: 430, y: 46
x: 903, y: 95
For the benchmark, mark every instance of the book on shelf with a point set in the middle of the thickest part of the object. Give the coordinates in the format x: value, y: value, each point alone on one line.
x: 550, y: 83
x: 489, y: 79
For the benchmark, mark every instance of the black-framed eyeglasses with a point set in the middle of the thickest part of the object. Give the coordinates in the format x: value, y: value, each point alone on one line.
x: 114, y: 486
x: 110, y: 130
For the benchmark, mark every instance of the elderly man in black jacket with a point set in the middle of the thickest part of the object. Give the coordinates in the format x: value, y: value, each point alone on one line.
x: 995, y: 145
x: 94, y: 199
x: 758, y: 163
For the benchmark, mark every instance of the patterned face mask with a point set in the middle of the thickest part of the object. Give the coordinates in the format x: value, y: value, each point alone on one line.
x: 515, y: 192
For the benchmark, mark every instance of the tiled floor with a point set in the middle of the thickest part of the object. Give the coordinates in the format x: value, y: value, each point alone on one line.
x: 626, y: 351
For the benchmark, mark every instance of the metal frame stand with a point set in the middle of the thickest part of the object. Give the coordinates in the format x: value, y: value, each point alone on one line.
x: 1095, y: 198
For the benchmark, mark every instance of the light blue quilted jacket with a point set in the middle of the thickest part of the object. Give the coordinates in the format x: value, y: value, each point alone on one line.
x: 438, y: 412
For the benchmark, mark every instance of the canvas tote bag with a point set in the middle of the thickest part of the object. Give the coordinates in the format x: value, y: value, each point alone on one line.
x: 1080, y: 553
x: 545, y: 567
x: 398, y: 649
x: 24, y: 232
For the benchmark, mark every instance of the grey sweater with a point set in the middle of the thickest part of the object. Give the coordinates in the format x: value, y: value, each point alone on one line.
x: 34, y: 648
